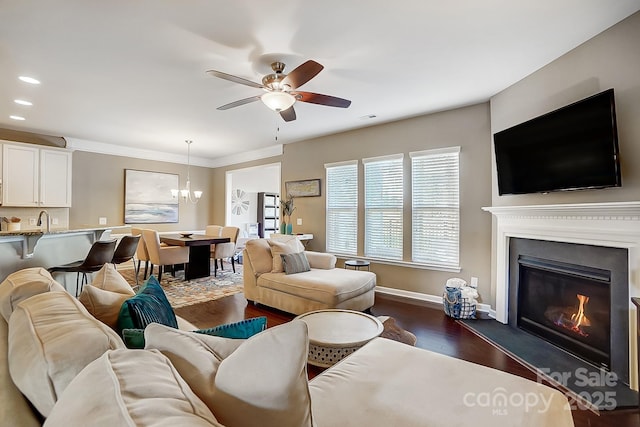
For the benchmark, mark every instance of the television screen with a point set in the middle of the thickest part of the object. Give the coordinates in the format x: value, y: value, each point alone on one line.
x: 572, y: 148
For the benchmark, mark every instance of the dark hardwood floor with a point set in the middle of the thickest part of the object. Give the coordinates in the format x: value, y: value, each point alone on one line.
x: 434, y: 330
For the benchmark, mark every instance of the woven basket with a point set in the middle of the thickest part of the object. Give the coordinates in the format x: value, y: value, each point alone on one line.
x: 456, y: 306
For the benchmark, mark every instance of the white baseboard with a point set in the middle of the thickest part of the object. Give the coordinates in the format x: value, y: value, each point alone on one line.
x: 420, y: 298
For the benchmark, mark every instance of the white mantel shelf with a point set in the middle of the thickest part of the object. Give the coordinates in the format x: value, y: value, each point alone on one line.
x: 606, y: 211
x: 614, y: 224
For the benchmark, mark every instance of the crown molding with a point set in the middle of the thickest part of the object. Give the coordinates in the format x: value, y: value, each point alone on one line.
x: 138, y: 153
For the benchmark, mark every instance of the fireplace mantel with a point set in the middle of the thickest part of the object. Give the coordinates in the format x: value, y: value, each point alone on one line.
x: 615, y: 224
x: 626, y: 211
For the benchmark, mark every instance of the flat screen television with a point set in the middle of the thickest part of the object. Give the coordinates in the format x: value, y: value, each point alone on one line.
x: 572, y: 148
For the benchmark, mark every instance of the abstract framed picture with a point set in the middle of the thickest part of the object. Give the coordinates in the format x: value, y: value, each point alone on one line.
x: 147, y: 197
x: 304, y: 188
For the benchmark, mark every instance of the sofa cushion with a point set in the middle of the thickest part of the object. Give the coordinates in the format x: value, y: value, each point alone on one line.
x: 24, y: 284
x: 52, y: 338
x: 277, y: 249
x: 150, y: 305
x: 395, y: 384
x: 259, y: 254
x: 255, y: 383
x: 329, y: 287
x: 295, y: 263
x: 130, y: 388
x: 265, y: 380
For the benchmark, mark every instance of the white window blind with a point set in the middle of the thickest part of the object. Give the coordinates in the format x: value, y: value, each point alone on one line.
x: 383, y: 207
x: 342, y: 208
x: 435, y: 186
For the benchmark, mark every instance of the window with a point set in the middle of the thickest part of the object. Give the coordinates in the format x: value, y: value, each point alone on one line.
x: 383, y: 207
x: 342, y: 207
x: 436, y: 207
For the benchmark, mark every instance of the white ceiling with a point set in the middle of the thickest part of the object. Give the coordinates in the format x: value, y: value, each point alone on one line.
x: 132, y: 73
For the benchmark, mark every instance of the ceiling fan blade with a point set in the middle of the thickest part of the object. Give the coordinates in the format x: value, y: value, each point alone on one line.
x: 238, y: 103
x: 318, y: 98
x: 302, y: 74
x: 289, y: 114
x: 234, y: 79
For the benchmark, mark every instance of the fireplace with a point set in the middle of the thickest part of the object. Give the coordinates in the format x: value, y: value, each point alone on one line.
x: 574, y: 296
x: 568, y: 305
x: 608, y: 225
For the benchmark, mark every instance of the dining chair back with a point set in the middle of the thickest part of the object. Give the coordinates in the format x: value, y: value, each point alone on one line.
x: 163, y: 255
x: 226, y: 250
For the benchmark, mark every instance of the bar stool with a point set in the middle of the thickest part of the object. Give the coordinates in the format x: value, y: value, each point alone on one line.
x: 125, y: 251
x: 101, y: 252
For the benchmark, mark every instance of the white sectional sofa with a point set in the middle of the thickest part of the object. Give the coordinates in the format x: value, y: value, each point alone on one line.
x: 76, y: 372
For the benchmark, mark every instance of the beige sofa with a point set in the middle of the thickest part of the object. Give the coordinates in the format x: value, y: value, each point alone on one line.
x: 183, y: 378
x: 324, y: 286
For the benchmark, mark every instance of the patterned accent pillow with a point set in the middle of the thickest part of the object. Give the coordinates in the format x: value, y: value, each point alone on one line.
x: 150, y: 305
x: 295, y: 263
x: 134, y: 338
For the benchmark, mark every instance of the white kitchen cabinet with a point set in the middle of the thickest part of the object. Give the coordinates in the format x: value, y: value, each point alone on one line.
x: 35, y: 177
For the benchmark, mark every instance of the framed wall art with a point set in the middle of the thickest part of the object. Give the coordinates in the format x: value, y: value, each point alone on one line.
x: 147, y: 197
x: 304, y: 188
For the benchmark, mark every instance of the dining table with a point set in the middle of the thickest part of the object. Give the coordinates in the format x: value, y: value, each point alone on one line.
x: 199, y: 251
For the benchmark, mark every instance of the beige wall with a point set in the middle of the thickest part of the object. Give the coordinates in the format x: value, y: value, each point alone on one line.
x: 466, y: 127
x: 98, y: 190
x: 609, y: 60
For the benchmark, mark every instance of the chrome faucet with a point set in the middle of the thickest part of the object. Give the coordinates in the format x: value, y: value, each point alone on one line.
x: 48, y: 220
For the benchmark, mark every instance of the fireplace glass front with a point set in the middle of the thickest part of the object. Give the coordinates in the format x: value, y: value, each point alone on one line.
x: 567, y: 305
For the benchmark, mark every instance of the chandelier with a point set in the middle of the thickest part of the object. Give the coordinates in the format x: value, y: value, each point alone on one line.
x: 186, y: 192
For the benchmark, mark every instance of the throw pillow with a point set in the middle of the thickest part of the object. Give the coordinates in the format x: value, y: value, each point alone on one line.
x: 109, y: 279
x: 130, y: 388
x: 102, y: 304
x: 265, y: 379
x: 290, y: 239
x: 295, y: 263
x: 196, y: 357
x: 262, y: 380
x: 277, y: 249
x: 134, y: 338
x: 150, y: 305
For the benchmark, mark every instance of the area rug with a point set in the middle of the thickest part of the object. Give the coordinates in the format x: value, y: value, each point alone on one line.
x: 394, y: 332
x: 182, y: 293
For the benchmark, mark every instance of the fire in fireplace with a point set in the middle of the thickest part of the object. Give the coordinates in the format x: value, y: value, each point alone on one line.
x: 567, y: 305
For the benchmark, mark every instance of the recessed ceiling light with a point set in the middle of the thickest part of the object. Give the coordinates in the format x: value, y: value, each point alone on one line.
x: 28, y: 79
x: 16, y: 117
x: 22, y: 102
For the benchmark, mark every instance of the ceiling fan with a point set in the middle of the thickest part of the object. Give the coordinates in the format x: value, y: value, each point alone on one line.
x: 280, y: 89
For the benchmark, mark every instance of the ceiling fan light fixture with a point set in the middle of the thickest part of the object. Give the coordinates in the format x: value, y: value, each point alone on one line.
x: 278, y: 101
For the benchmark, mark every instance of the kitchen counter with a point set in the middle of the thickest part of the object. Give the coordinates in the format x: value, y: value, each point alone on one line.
x: 40, y: 232
x: 34, y: 247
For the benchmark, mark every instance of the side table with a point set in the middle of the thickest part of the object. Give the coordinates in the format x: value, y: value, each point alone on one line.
x: 357, y: 264
x: 334, y: 334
